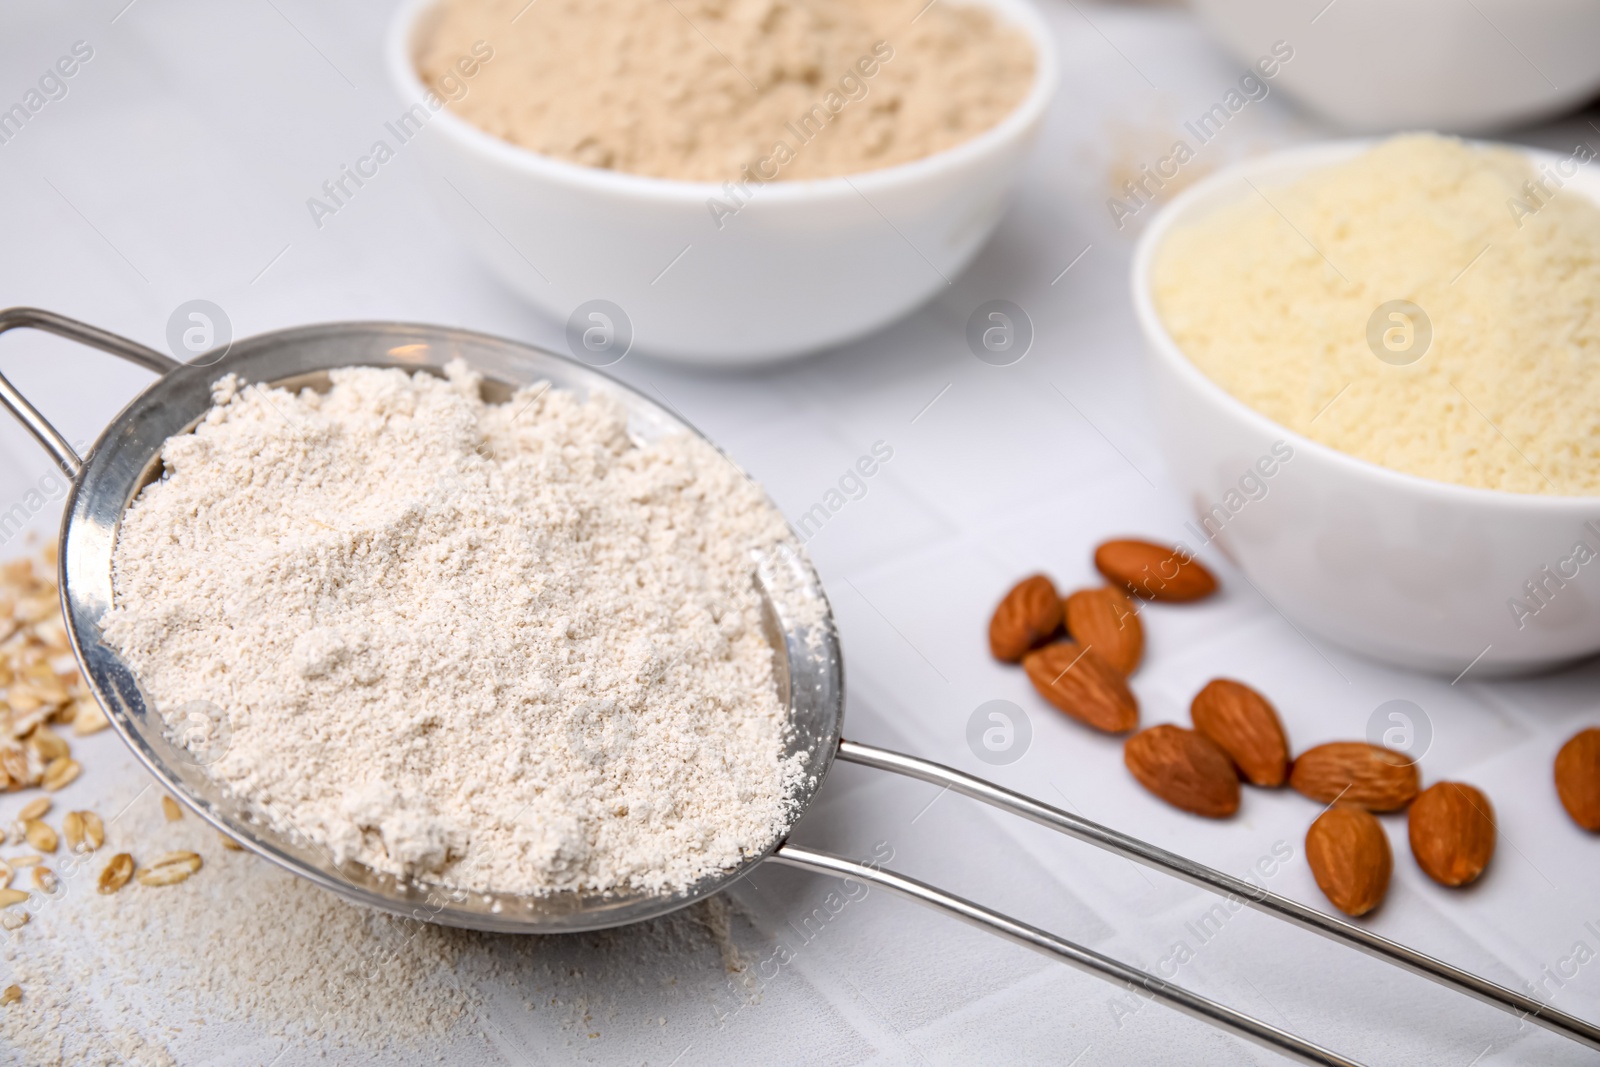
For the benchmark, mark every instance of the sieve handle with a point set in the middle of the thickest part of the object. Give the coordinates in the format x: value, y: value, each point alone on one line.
x: 1085, y: 959
x: 83, y: 333
x: 1508, y: 1000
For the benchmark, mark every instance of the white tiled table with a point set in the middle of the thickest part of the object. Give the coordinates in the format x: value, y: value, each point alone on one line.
x: 178, y: 167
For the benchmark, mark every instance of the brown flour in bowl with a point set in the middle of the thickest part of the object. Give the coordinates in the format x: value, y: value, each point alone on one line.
x: 701, y: 90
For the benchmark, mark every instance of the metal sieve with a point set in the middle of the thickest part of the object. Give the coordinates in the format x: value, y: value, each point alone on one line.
x: 127, y: 456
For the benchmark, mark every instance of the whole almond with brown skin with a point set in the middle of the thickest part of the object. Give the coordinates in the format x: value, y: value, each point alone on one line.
x: 1028, y: 616
x: 1246, y: 725
x: 1155, y: 572
x: 1079, y: 682
x: 1186, y: 769
x: 1105, y: 620
x: 1452, y: 832
x: 1356, y: 773
x: 1350, y: 858
x: 1578, y: 778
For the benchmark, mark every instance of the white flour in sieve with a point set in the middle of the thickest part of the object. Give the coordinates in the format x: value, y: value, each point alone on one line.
x: 497, y: 646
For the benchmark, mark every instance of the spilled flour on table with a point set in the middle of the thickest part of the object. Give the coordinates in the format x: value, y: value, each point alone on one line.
x: 141, y: 975
x: 242, y: 963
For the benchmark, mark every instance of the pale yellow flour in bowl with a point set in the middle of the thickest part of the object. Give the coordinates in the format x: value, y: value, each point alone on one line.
x: 700, y: 90
x: 1271, y: 298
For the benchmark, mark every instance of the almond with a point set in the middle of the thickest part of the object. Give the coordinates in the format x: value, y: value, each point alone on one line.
x: 1027, y: 617
x: 1186, y: 769
x: 1452, y: 832
x: 1246, y: 725
x: 1154, y: 572
x: 1354, y: 772
x: 1578, y: 778
x: 1105, y: 620
x: 1080, y: 683
x: 1350, y: 858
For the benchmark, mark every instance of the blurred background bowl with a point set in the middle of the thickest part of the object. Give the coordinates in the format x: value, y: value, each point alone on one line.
x: 1466, y: 66
x: 1400, y: 568
x: 803, y: 265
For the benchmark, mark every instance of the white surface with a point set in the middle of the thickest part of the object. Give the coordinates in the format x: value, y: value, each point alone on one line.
x: 1383, y: 65
x: 1409, y: 570
x: 178, y: 167
x: 838, y: 257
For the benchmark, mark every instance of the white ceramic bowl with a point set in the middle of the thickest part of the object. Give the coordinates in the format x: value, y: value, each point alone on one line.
x: 1381, y: 65
x: 1408, y: 570
x: 801, y: 266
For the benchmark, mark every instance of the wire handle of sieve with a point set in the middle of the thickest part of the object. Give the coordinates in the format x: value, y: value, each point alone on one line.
x: 1508, y: 1000
x: 48, y: 321
x: 1139, y: 982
